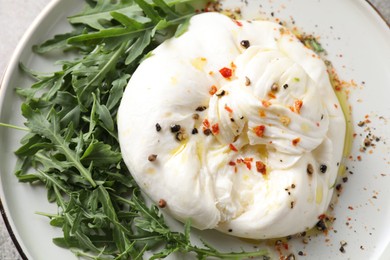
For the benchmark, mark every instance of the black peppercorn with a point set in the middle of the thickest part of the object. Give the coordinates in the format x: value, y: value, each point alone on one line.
x: 158, y: 127
x: 321, y: 226
x: 323, y: 168
x: 175, y: 128
x: 245, y: 44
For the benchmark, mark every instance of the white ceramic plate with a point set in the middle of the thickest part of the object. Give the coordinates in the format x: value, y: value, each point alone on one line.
x: 358, y: 43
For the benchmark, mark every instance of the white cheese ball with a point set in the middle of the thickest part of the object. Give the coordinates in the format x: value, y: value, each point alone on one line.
x: 258, y: 120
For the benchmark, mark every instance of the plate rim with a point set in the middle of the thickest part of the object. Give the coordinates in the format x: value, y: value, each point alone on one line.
x: 12, y: 65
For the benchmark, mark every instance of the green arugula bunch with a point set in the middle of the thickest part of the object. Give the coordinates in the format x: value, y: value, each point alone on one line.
x: 72, y: 144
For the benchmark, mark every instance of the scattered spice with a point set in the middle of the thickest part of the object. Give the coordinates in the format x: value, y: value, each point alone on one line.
x: 292, y: 204
x: 213, y: 90
x: 361, y: 123
x: 233, y: 148
x: 262, y: 113
x: 195, y: 116
x: 367, y: 142
x: 297, y: 106
x: 158, y: 127
x: 310, y: 169
x: 339, y: 187
x: 342, y: 245
x: 265, y: 103
x: 261, y: 168
x: 162, y: 203
x: 201, y: 108
x: 221, y: 93
x: 290, y: 257
x: 175, y: 128
x: 247, y: 162
x: 226, y: 72
x: 259, y: 130
x: 271, y: 95
x: 247, y: 81
x: 285, y: 120
x: 285, y: 86
x: 207, y: 131
x: 152, y: 157
x: 296, y: 141
x: 323, y: 168
x: 231, y: 163
x: 215, y: 128
x: 227, y: 108
x: 275, y: 87
x: 238, y: 23
x: 245, y: 44
x: 321, y: 225
x: 180, y: 136
x: 194, y: 131
x: 300, y: 253
x: 206, y: 123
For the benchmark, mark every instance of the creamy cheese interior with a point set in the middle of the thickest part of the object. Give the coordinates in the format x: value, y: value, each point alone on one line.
x: 261, y: 130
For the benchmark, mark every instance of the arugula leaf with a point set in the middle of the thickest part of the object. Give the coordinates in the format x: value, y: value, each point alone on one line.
x: 40, y: 125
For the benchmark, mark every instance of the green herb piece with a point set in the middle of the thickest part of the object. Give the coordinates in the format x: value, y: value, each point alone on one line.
x: 312, y: 43
x: 72, y: 146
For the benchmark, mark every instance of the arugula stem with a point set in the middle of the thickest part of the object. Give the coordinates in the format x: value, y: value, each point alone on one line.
x: 15, y: 127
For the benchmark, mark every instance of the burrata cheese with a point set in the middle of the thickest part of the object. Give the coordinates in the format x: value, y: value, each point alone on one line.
x: 234, y: 125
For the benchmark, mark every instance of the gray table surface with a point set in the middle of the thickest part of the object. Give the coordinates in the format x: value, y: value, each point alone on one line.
x: 15, y: 18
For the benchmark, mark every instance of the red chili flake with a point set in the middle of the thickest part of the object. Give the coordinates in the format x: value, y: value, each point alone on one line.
x: 350, y: 207
x: 233, y: 148
x: 215, y: 129
x: 206, y: 123
x: 297, y: 106
x: 248, y: 162
x: 322, y: 216
x: 248, y: 165
x: 336, y: 106
x: 265, y: 103
x: 238, y: 23
x: 296, y: 141
x: 227, y: 108
x: 318, y: 124
x: 259, y: 130
x: 260, y: 167
x: 359, y: 158
x: 232, y: 163
x: 213, y: 90
x: 226, y: 72
x: 271, y: 95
